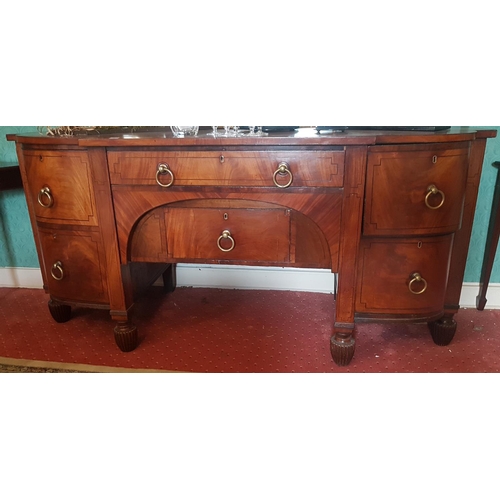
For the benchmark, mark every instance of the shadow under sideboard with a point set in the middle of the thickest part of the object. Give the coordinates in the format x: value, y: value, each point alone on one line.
x: 10, y: 177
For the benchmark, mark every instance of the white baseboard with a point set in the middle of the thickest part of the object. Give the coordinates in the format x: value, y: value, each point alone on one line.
x: 471, y: 290
x: 20, y: 277
x: 255, y: 278
x: 248, y: 278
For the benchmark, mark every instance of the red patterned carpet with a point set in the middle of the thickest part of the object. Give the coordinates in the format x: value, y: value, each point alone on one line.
x: 211, y: 330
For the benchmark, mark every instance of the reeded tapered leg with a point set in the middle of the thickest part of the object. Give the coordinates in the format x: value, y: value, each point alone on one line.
x: 443, y: 330
x: 60, y: 312
x: 342, y: 347
x: 126, y: 337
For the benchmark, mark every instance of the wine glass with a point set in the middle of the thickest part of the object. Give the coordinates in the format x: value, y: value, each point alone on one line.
x: 256, y: 133
x: 214, y: 132
x: 228, y: 132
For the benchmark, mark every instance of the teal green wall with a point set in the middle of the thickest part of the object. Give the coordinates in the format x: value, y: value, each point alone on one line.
x: 483, y: 210
x: 17, y: 248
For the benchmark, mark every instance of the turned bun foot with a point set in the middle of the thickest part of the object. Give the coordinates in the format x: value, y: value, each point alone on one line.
x: 443, y: 330
x: 342, y: 350
x: 60, y: 312
x: 126, y: 336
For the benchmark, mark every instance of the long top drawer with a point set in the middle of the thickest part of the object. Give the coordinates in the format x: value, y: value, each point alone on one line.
x: 281, y: 169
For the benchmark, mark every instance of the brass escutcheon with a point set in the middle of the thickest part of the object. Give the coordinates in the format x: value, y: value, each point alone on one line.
x: 432, y: 190
x: 226, y: 235
x: 45, y: 198
x: 417, y: 278
x: 163, y: 169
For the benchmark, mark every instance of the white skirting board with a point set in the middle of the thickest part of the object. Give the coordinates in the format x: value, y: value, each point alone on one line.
x: 249, y: 278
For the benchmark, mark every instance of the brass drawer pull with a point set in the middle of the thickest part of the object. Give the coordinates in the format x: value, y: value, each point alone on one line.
x: 283, y: 169
x: 57, y: 271
x: 163, y: 169
x: 432, y: 190
x: 45, y: 198
x: 226, y: 235
x: 417, y: 278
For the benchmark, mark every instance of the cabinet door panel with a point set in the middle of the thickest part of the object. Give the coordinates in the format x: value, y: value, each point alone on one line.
x: 75, y: 265
x: 415, y: 192
x: 60, y: 186
x: 387, y: 275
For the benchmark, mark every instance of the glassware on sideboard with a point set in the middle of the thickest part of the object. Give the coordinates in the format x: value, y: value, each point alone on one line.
x: 184, y: 130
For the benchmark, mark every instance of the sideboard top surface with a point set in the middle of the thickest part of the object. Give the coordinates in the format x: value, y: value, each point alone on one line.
x: 302, y: 137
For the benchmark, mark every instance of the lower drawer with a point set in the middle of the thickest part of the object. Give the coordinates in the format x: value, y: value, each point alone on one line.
x: 403, y: 277
x: 74, y: 263
x: 240, y: 234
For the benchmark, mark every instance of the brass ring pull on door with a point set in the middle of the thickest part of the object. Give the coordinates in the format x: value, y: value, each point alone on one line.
x: 163, y: 169
x: 417, y: 278
x: 226, y: 235
x: 57, y: 271
x: 45, y: 198
x: 283, y: 169
x: 432, y: 190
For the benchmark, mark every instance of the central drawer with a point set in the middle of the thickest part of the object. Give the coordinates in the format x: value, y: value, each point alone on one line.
x: 281, y: 169
x: 228, y: 234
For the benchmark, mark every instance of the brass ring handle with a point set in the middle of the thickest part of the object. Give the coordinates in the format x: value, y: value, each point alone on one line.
x: 283, y: 169
x: 163, y: 169
x: 417, y: 278
x: 45, y: 195
x: 57, y: 268
x: 431, y: 190
x: 226, y: 235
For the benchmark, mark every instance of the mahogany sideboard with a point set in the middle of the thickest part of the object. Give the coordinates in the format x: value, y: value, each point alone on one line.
x: 390, y: 212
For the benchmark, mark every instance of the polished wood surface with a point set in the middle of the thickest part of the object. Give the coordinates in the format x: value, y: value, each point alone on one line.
x: 399, y: 199
x: 228, y: 168
x: 390, y: 212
